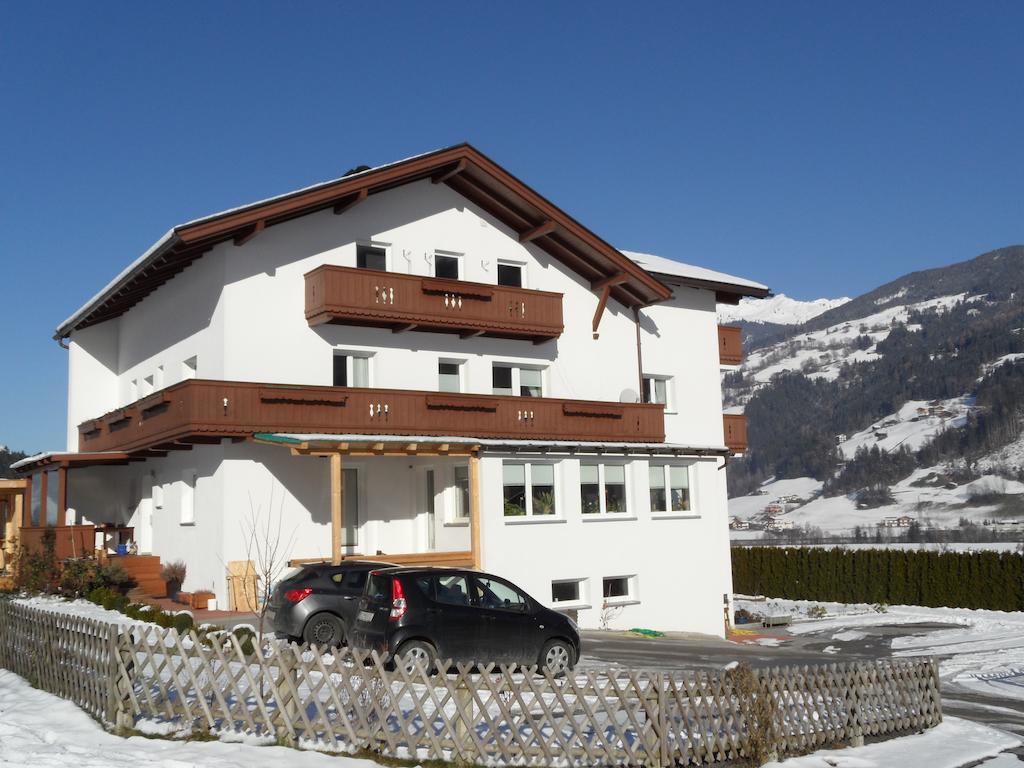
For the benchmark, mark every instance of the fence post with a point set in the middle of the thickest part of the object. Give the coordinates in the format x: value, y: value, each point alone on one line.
x: 855, y: 726
x: 119, y: 710
x: 464, y: 709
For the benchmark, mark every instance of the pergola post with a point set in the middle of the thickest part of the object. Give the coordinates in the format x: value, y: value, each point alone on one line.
x: 62, y: 495
x: 337, y: 507
x: 474, y: 509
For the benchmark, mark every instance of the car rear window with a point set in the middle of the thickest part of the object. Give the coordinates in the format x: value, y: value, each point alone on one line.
x: 378, y: 586
x: 295, y: 573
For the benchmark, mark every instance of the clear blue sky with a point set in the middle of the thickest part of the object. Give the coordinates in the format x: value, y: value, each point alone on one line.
x: 821, y: 148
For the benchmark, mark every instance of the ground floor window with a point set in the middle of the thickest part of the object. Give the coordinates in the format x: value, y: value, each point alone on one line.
x: 670, y: 488
x: 529, y: 489
x: 618, y: 589
x: 603, y: 488
x: 461, y: 510
x: 568, y: 591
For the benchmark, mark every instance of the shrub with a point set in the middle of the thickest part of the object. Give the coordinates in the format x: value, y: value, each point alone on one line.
x: 114, y: 575
x: 162, y: 619
x: 37, y: 570
x: 817, y: 612
x: 246, y: 639
x: 110, y: 600
x: 78, y: 577
x: 136, y: 611
x: 174, y: 571
x: 182, y: 622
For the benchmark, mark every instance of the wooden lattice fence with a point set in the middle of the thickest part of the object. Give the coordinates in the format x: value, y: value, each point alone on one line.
x: 496, y: 715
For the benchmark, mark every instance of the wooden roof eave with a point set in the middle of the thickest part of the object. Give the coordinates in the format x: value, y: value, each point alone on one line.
x: 462, y: 168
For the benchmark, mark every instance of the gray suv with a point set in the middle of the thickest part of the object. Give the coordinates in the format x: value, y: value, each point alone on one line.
x: 317, y: 603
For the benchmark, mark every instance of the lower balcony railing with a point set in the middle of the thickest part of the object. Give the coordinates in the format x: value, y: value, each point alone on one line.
x: 203, y: 410
x: 735, y: 428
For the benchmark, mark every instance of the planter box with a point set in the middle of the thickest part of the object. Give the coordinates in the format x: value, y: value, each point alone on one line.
x: 201, y: 599
x: 185, y: 598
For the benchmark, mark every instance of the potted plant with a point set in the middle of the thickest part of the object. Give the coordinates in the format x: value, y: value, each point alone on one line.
x: 174, y: 574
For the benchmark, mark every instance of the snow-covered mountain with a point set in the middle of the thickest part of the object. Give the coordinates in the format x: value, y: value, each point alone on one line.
x: 778, y: 309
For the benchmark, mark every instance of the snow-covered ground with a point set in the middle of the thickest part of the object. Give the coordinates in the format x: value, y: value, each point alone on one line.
x: 907, y: 427
x: 779, y: 309
x: 40, y: 730
x: 931, y: 505
x: 951, y: 744
x: 983, y: 651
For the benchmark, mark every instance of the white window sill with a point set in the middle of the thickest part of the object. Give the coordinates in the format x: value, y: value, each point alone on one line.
x: 675, y: 516
x: 460, y: 523
x: 621, y: 601
x: 575, y: 605
x: 607, y: 517
x: 532, y: 519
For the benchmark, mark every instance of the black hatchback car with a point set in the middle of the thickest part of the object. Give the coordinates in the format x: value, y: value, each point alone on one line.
x: 417, y: 615
x: 318, y: 602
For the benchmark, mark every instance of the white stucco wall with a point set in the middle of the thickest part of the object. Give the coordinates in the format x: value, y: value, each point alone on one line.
x: 240, y: 311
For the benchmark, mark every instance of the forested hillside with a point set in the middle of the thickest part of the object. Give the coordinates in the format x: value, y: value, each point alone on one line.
x: 862, y: 361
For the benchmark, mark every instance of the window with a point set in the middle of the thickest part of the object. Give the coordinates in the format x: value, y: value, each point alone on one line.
x: 461, y: 511
x: 497, y: 595
x: 570, y: 591
x: 656, y: 389
x: 372, y: 257
x: 510, y: 274
x: 351, y: 370
x: 190, y: 367
x: 529, y: 489
x: 617, y: 589
x: 670, y: 488
x: 603, y: 488
x: 451, y: 590
x: 511, y: 380
x: 52, y: 489
x: 449, y: 376
x: 36, y: 504
x: 447, y: 266
x: 188, y: 497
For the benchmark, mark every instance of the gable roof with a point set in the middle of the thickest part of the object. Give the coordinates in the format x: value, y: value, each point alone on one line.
x: 729, y: 289
x: 461, y: 167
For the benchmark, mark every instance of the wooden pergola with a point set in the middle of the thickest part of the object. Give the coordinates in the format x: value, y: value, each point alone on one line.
x: 337, y: 450
x: 12, y: 510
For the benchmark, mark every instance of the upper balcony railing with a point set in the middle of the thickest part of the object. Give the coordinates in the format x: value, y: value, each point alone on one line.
x: 407, y: 302
x: 730, y: 345
x: 201, y: 410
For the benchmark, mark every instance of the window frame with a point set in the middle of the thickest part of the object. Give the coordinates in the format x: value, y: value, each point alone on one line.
x: 517, y: 386
x: 528, y: 513
x: 454, y: 518
x: 632, y: 595
x: 582, y: 599
x: 520, y: 265
x: 363, y: 246
x: 459, y: 264
x: 349, y: 355
x: 603, y: 513
x: 666, y: 468
x: 669, y: 403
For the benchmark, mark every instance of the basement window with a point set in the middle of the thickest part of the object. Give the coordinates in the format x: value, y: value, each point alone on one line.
x: 568, y: 591
x: 618, y: 589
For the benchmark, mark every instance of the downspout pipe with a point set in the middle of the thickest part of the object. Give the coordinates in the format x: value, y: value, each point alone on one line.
x: 639, y: 354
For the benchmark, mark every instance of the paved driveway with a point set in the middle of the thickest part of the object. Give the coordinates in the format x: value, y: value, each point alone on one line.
x: 772, y: 647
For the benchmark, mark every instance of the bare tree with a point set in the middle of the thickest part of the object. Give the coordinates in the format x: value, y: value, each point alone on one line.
x: 267, y: 550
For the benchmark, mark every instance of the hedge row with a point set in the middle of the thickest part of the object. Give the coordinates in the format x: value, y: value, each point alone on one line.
x: 990, y: 580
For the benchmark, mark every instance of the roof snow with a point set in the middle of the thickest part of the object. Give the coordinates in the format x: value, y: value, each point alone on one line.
x: 659, y: 265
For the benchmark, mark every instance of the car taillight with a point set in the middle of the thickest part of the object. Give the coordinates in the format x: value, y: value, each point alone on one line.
x: 398, y: 604
x: 297, y: 595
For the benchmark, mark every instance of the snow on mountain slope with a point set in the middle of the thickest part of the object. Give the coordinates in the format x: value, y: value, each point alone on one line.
x: 779, y: 309
x: 916, y: 423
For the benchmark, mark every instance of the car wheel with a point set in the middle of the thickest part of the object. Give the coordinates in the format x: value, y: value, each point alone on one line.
x: 415, y: 655
x: 325, y: 630
x: 556, y: 657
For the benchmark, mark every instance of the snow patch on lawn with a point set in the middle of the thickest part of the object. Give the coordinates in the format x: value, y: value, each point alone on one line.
x: 39, y: 729
x: 951, y: 744
x: 80, y: 608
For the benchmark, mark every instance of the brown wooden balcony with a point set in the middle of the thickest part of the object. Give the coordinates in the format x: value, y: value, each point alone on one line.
x: 206, y: 411
x: 735, y: 427
x: 730, y: 345
x: 407, y: 302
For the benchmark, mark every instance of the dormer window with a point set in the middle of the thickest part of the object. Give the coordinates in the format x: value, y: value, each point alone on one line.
x: 372, y: 257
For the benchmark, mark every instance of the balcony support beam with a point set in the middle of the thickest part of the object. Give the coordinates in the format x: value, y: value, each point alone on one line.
x: 605, y: 292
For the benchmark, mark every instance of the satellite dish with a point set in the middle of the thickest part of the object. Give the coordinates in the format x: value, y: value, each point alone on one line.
x: 629, y: 396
